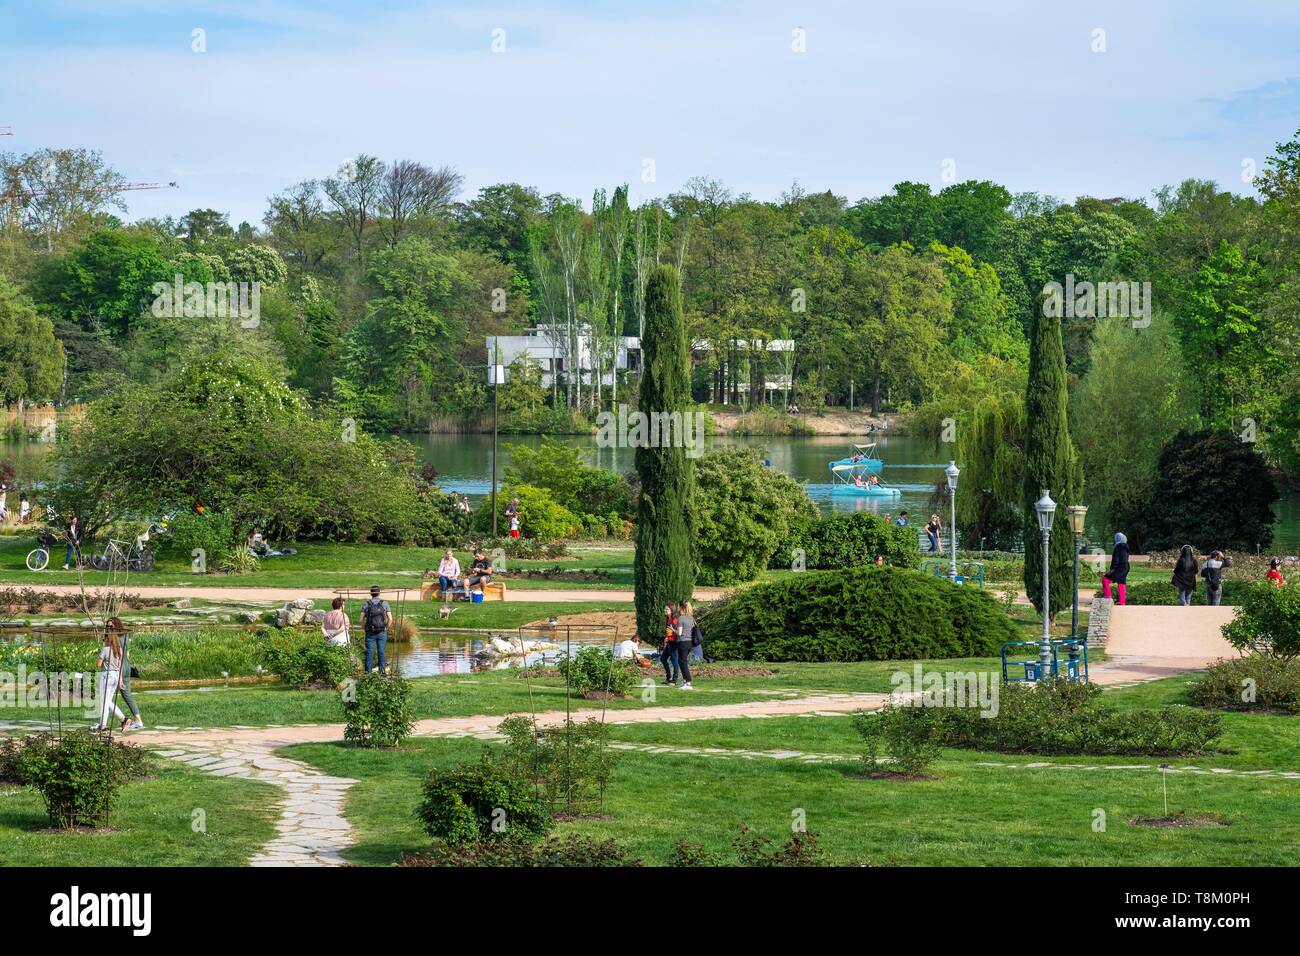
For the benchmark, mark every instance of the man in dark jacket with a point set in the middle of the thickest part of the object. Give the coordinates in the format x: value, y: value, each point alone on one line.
x: 1118, y: 573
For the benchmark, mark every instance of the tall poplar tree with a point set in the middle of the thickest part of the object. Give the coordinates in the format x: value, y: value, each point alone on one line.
x: 664, y: 570
x: 1051, y: 461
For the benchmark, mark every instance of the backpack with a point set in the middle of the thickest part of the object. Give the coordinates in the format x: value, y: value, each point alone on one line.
x: 375, y: 617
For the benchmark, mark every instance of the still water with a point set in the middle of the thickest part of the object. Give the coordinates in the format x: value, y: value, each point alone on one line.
x: 456, y: 652
x: 464, y: 464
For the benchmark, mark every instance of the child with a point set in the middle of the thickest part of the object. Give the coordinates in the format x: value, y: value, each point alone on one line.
x: 514, y: 526
x: 24, y: 509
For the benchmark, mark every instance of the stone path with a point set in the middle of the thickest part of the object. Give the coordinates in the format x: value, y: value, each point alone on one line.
x: 312, y: 830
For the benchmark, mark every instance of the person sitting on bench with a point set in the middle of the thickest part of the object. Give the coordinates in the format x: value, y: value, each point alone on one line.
x: 448, y: 572
x: 480, y: 571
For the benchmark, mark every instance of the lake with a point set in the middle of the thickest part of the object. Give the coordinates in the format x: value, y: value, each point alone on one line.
x: 464, y: 464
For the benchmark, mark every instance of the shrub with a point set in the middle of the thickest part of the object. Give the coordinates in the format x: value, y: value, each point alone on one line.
x: 853, y: 540
x: 527, y: 549
x: 238, y: 561
x: 11, y: 766
x: 569, y: 765
x: 562, y: 469
x: 540, y: 516
x: 213, y: 532
x: 740, y: 513
x: 1066, y: 717
x: 594, y: 670
x: 1257, y: 682
x: 1162, y: 592
x: 855, y: 615
x: 752, y: 850
x: 1268, y: 621
x: 480, y: 801
x: 379, y: 713
x: 570, y: 849
x: 910, y: 740
x: 301, y: 658
x: 79, y: 774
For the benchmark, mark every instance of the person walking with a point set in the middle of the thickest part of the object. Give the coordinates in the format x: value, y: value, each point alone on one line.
x: 1212, y: 571
x: 689, y: 640
x: 376, y: 619
x: 124, y: 682
x: 668, y: 654
x: 933, y: 530
x: 448, y: 572
x: 335, y: 626
x: 1118, y: 573
x: 74, y: 542
x: 1184, y: 578
x: 109, y: 666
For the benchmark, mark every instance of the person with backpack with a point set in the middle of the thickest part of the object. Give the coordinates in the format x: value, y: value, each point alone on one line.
x: 376, y: 619
x: 1118, y: 573
x: 689, y: 639
x: 1184, y: 578
x: 1213, y: 574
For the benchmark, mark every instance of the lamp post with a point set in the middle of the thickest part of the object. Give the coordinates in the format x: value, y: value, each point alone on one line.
x: 496, y: 375
x: 1046, y: 509
x: 952, y: 471
x: 1077, y: 514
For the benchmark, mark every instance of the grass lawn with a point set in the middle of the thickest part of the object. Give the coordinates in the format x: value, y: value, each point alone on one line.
x: 969, y: 815
x: 504, y: 692
x: 324, y: 564
x: 152, y: 824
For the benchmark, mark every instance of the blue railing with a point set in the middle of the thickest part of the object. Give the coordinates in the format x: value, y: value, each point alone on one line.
x: 968, y: 572
x: 1076, y: 661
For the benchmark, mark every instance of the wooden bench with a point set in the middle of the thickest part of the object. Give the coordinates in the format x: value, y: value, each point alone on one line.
x: 429, y: 590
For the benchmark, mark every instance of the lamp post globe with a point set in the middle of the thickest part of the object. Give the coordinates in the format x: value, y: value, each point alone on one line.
x: 1045, y: 508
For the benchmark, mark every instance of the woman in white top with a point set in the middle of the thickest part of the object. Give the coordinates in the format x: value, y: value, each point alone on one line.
x: 335, y: 625
x: 110, y: 666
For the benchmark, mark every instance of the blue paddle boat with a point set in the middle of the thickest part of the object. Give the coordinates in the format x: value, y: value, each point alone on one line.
x: 859, y: 475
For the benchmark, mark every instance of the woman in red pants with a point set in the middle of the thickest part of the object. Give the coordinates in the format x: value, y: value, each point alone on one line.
x: 1118, y: 573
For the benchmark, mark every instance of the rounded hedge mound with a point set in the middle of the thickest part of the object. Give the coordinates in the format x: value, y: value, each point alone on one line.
x: 859, y: 614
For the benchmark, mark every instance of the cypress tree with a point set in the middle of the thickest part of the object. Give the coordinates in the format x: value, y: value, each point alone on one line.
x: 1051, y: 461
x: 664, y: 570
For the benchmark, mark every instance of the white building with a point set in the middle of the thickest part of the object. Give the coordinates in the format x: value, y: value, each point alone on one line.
x: 540, y: 348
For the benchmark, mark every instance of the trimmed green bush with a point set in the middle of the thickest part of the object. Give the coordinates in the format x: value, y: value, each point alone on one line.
x: 741, y: 512
x: 569, y: 765
x: 1258, y: 682
x: 594, y: 670
x: 1066, y: 717
x: 79, y: 774
x: 300, y: 657
x: 480, y: 801
x: 541, y: 517
x: 1268, y: 621
x: 853, y: 540
x: 213, y: 532
x: 379, y: 713
x: 569, y: 849
x: 907, y: 736
x: 856, y: 615
x: 1164, y: 593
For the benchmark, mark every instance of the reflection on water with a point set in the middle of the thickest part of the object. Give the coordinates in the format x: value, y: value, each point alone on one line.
x: 453, y: 652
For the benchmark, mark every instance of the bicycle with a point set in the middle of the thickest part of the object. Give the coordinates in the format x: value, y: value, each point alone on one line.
x: 38, y: 559
x: 119, y: 555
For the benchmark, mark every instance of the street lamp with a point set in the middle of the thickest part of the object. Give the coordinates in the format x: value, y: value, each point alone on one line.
x: 1077, y: 514
x: 952, y: 471
x: 1046, y: 509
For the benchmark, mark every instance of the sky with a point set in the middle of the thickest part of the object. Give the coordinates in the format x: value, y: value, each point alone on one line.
x: 1067, y: 99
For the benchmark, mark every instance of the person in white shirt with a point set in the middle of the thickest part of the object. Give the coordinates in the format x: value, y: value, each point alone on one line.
x: 631, y: 650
